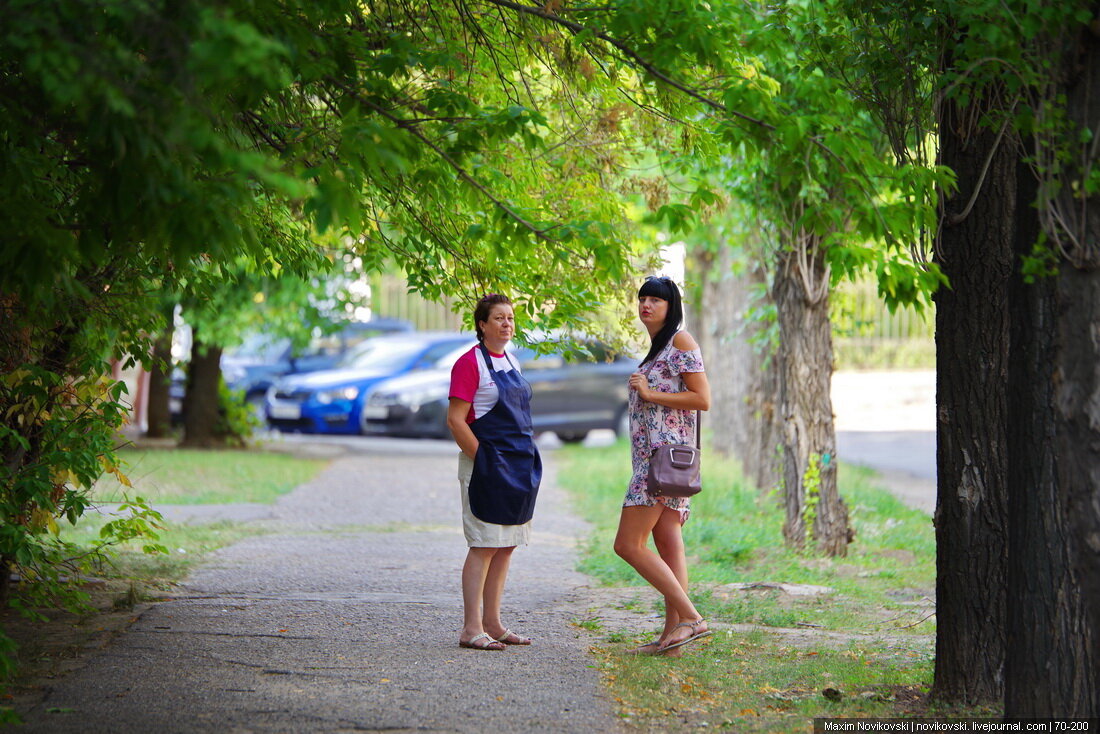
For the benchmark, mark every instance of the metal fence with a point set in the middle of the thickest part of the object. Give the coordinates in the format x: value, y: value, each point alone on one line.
x: 390, y: 297
x: 867, y: 335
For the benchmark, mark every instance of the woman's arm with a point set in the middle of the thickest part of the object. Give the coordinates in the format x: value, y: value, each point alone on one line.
x: 695, y: 397
x: 460, y: 429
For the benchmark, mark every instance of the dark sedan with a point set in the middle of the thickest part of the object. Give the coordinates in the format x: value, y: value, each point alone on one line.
x: 571, y: 396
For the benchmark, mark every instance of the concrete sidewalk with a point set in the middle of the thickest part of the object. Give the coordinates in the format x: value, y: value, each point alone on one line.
x: 346, y: 619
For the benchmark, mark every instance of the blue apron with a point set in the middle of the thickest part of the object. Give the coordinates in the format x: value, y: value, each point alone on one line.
x: 507, y: 467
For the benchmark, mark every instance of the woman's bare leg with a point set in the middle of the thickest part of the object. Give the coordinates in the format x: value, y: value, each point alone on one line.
x: 670, y: 547
x: 494, y: 591
x: 474, y: 574
x: 635, y: 526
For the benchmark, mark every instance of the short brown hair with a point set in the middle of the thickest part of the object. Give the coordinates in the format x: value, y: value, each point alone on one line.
x: 484, y: 307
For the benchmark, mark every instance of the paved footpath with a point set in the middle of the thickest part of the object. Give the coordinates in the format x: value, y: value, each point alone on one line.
x: 346, y: 618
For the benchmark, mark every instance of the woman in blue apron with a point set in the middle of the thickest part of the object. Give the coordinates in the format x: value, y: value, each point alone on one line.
x: 499, y: 470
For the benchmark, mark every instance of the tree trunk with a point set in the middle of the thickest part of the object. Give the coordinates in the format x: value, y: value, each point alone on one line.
x: 200, y: 403
x: 744, y: 384
x: 1077, y: 377
x: 805, y: 375
x: 1077, y: 445
x: 975, y: 253
x: 1053, y: 661
x: 160, y: 382
x: 1043, y: 662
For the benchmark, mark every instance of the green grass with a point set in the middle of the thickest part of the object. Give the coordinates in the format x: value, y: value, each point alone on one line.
x: 190, y: 477
x: 186, y: 477
x: 870, y: 639
x: 734, y: 533
x: 187, y: 545
x: 750, y: 683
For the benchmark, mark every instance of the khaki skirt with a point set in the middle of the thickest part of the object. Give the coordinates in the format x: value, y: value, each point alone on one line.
x: 481, y: 534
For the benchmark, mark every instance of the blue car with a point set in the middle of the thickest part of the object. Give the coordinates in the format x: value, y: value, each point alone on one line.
x: 253, y: 366
x: 331, y: 401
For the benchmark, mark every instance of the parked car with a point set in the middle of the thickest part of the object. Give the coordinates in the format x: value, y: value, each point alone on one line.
x: 261, y: 359
x: 331, y: 401
x: 571, y: 395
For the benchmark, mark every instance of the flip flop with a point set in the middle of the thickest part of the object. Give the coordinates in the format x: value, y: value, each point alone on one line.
x: 649, y: 648
x: 511, y: 638
x: 491, y: 644
x: 695, y: 635
x: 653, y: 648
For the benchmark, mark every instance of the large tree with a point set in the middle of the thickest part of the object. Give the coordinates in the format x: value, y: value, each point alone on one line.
x: 1053, y: 658
x: 838, y: 205
x: 1016, y: 506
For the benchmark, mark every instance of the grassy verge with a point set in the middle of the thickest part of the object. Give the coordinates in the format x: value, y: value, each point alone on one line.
x: 779, y: 659
x: 190, y: 477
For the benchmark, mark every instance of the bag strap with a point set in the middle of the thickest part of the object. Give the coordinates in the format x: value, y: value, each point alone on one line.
x: 698, y: 428
x: 698, y: 413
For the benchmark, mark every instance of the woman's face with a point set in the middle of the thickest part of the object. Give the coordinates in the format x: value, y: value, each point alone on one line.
x: 652, y: 310
x: 501, y: 325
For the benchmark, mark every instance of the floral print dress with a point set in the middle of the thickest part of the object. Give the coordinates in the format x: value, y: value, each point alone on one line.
x: 653, y: 425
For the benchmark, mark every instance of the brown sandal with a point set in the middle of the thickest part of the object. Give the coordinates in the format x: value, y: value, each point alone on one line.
x: 691, y: 638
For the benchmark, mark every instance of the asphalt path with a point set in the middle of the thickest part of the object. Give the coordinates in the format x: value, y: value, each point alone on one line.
x: 345, y: 618
x: 887, y: 421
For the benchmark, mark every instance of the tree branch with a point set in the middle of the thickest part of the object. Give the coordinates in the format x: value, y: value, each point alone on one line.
x: 462, y: 172
x: 577, y: 28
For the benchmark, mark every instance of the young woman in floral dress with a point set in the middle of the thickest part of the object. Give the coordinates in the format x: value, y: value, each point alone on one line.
x: 664, y: 395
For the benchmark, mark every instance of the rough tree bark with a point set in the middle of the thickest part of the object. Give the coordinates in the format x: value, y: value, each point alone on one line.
x: 805, y: 363
x: 974, y: 249
x: 1077, y: 375
x: 200, y: 403
x: 743, y: 377
x: 1077, y: 445
x: 1042, y: 659
x: 1052, y: 664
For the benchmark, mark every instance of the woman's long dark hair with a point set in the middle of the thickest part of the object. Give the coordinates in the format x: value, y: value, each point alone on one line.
x: 665, y: 289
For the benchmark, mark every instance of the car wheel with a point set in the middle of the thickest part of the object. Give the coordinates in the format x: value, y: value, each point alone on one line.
x: 572, y: 436
x: 363, y: 430
x: 622, y: 423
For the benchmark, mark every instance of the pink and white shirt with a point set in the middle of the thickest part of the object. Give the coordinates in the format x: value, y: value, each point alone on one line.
x: 471, y: 380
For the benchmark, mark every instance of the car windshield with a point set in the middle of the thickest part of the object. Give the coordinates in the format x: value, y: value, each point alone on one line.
x: 381, y: 354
